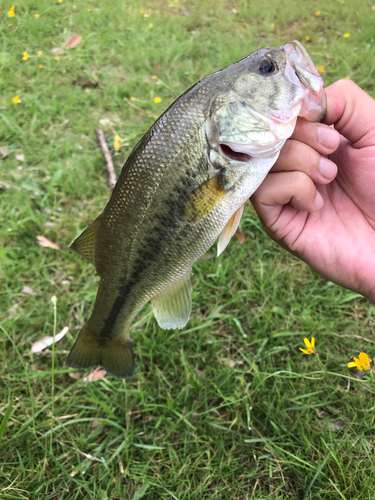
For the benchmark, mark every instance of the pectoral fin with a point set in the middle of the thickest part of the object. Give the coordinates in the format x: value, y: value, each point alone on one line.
x: 229, y: 230
x: 205, y: 198
x: 172, y: 308
x: 85, y: 244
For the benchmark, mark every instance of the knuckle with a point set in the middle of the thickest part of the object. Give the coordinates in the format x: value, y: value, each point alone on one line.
x: 292, y: 149
x: 300, y: 183
x: 345, y: 85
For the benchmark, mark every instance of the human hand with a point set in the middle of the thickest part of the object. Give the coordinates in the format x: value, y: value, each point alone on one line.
x: 323, y: 210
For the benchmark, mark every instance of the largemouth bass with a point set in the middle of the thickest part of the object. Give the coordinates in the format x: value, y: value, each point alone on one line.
x: 183, y: 186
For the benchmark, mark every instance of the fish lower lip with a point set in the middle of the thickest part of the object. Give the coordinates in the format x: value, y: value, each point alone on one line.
x: 324, y: 105
x: 298, y: 45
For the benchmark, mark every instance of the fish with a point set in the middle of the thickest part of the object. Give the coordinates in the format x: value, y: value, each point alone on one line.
x: 184, y: 186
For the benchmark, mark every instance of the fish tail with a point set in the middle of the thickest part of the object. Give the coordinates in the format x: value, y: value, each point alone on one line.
x: 114, y: 355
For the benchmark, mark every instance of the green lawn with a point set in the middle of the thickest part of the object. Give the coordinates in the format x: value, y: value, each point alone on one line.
x: 228, y: 408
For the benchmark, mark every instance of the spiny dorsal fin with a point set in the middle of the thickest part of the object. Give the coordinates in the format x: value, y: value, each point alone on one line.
x: 205, y: 198
x: 229, y: 230
x: 85, y: 244
x: 172, y: 308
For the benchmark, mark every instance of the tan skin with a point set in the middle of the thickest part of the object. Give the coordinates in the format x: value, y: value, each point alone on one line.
x: 323, y: 211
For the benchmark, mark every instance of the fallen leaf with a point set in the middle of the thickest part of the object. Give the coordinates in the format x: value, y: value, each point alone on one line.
x: 240, y: 236
x: 28, y: 291
x: 4, y: 152
x: 94, y: 425
x: 231, y: 362
x: 13, y: 310
x: 90, y: 457
x: 20, y: 157
x: 44, y: 342
x: 86, y: 84
x: 332, y: 426
x: 56, y: 51
x: 95, y: 375
x: 208, y: 256
x: 45, y: 242
x: 72, y: 42
x: 76, y: 375
x: 63, y: 417
x: 105, y: 121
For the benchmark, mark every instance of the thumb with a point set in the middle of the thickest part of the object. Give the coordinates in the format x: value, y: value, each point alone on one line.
x: 352, y: 111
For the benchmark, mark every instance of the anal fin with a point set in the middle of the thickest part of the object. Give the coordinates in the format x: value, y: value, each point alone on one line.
x: 85, y: 244
x: 172, y: 308
x: 229, y: 230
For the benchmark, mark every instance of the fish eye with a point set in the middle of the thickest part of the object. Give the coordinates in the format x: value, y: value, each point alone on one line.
x: 267, y: 67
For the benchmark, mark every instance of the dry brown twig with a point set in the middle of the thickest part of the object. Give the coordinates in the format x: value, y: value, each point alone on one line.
x: 111, y: 174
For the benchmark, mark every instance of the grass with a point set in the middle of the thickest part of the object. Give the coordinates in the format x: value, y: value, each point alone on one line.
x: 227, y: 408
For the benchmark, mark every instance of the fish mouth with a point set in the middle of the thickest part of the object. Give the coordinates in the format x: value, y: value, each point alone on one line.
x: 301, y: 72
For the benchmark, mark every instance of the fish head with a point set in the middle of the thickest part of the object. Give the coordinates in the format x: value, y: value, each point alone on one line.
x: 256, y: 108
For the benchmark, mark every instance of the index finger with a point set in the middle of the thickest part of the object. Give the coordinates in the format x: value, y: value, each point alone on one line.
x: 352, y: 111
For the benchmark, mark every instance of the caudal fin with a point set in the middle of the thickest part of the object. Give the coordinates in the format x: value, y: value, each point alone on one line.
x: 115, y: 355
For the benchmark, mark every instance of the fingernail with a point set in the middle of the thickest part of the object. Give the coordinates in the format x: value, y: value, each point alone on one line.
x: 327, y: 168
x: 318, y: 202
x: 328, y: 137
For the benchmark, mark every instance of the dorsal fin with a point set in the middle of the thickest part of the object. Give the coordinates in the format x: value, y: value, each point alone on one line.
x: 172, y: 308
x: 229, y: 230
x: 85, y: 244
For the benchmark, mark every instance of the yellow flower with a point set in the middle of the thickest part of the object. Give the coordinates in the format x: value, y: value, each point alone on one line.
x: 37, y: 16
x: 41, y: 66
x: 373, y: 7
x: 70, y: 59
x: 310, y: 346
x: 154, y: 77
x: 146, y: 15
x: 362, y: 362
x: 341, y: 1
x: 157, y: 100
x: 133, y: 99
x: 60, y: 1
x: 11, y: 12
x: 141, y: 11
x: 320, y: 69
x: 272, y: 26
x: 346, y: 78
x: 347, y: 35
x: 16, y: 100
x: 25, y: 56
x: 89, y: 10
x: 307, y: 38
x: 317, y: 13
x: 150, y: 25
x: 117, y: 142
x: 57, y: 58
x: 40, y: 53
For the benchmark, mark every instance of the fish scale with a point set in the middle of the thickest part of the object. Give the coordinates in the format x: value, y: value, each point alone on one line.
x: 183, y: 186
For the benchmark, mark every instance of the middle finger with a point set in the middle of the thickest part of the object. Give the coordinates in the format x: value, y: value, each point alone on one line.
x: 298, y: 156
